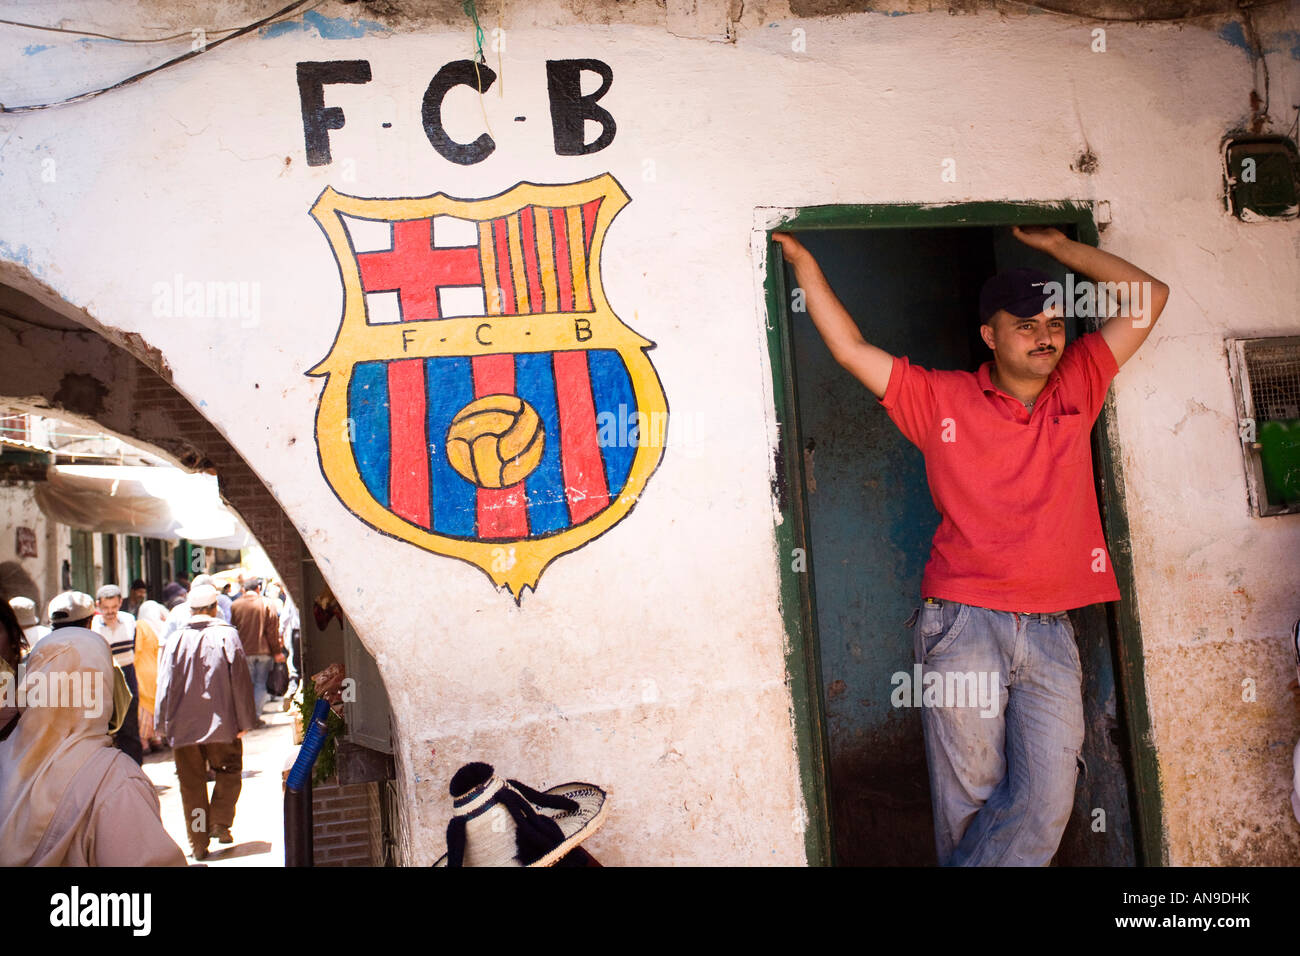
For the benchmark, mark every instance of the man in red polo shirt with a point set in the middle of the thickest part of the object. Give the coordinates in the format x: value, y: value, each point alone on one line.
x: 1019, y: 542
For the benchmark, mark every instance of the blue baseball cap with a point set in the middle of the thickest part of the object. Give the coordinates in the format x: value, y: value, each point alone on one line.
x: 1022, y: 292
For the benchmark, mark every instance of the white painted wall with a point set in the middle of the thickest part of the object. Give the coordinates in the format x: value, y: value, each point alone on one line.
x: 652, y: 661
x: 18, y: 510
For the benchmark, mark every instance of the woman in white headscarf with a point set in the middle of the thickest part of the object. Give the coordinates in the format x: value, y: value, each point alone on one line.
x: 68, y: 797
x: 150, y: 622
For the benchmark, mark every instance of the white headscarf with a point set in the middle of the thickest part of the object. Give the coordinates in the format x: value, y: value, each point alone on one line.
x: 155, y: 614
x: 51, y: 745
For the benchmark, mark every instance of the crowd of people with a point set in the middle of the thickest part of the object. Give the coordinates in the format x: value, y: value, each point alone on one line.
x: 111, y: 678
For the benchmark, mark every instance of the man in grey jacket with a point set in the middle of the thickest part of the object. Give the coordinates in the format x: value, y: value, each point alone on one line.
x: 204, y: 706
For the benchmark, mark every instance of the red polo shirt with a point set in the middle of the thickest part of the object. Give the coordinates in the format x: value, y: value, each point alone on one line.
x: 1020, y: 529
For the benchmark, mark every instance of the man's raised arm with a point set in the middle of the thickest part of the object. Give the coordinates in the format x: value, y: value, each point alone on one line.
x: 1125, y: 332
x: 869, y: 365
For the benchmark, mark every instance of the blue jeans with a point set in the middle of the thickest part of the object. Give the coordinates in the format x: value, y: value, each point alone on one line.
x: 259, y: 666
x: 1002, y: 777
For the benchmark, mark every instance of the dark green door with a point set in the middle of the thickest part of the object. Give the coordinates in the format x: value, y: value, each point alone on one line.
x: 155, y: 566
x: 108, y: 560
x: 870, y: 518
x: 83, y: 562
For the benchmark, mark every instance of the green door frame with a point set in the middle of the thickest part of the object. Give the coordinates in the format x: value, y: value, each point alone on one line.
x: 798, y: 604
x: 134, y: 559
x: 108, y: 558
x: 181, y: 560
x: 83, y: 561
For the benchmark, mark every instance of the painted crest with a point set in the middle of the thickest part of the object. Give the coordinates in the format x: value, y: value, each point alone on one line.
x: 478, y: 392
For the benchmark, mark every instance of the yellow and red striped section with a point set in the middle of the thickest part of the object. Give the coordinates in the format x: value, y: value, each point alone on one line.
x: 538, y: 259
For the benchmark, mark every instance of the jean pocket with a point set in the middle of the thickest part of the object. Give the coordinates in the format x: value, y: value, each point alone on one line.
x: 939, y: 626
x: 930, y: 620
x: 1072, y: 645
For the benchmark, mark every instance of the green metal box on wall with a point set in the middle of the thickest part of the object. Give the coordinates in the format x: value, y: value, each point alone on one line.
x: 1266, y: 378
x: 1279, y: 452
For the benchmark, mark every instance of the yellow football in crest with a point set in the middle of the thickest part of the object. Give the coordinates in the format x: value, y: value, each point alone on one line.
x: 495, y: 441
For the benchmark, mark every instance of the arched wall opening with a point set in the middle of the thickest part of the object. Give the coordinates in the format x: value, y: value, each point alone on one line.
x: 56, y: 360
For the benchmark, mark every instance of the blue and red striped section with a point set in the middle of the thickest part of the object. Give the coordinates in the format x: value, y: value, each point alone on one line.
x: 584, y: 399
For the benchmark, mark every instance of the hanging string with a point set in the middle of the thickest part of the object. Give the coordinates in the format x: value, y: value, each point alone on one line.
x: 501, y: 42
x: 471, y: 11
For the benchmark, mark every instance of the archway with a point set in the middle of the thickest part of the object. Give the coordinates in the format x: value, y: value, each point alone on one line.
x: 56, y: 360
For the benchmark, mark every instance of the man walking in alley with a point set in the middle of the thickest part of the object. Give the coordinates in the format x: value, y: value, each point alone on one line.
x: 258, y: 623
x: 205, y: 704
x: 1019, y: 543
x: 118, y: 628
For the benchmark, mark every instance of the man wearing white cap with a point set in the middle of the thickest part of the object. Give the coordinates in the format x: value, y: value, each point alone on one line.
x: 71, y: 608
x: 223, y: 602
x: 205, y: 704
x: 118, y: 628
x: 25, y: 611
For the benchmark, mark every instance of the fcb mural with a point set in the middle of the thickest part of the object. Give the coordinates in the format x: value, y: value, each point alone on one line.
x: 475, y: 363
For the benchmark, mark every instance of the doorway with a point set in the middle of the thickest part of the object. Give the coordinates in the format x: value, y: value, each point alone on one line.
x: 83, y: 561
x: 860, y: 510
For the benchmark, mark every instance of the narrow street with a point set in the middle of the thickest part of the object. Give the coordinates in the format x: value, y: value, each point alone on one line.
x: 259, y: 815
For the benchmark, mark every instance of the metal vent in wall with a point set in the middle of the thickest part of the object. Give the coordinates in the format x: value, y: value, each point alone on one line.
x: 1266, y: 379
x: 1262, y: 174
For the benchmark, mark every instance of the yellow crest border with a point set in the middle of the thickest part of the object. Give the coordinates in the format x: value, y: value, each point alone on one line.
x: 512, y: 564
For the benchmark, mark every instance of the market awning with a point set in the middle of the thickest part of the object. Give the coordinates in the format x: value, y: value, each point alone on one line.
x: 134, y: 499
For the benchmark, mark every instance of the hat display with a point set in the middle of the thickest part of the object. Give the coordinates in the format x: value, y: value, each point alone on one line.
x: 202, y: 595
x: 71, y: 607
x: 499, y: 822
x: 25, y: 611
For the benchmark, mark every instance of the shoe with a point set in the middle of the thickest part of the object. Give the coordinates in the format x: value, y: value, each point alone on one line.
x: 199, y: 852
x: 222, y: 833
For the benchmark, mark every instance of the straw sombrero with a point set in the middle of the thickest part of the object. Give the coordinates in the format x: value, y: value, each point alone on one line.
x: 499, y: 822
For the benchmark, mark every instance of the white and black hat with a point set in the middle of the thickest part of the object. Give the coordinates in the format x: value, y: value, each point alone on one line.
x: 25, y: 611
x: 71, y: 607
x: 201, y: 596
x: 499, y: 822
